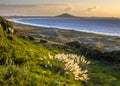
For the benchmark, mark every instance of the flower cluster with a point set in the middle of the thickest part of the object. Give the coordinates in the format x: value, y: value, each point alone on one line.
x: 74, y: 64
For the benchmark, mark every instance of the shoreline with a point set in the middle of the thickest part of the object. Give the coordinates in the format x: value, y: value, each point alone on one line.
x: 44, y: 26
x: 105, y: 42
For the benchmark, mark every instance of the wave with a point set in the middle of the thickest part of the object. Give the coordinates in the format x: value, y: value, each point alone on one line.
x: 57, y: 27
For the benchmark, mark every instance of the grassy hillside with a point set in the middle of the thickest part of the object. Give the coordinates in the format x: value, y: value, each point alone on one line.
x: 26, y: 63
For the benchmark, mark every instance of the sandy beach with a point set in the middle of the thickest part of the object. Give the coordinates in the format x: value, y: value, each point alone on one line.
x: 104, y: 42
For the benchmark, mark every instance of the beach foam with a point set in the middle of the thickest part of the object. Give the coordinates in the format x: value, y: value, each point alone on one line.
x: 19, y: 20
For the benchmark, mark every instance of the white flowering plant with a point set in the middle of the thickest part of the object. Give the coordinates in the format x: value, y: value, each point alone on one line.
x: 70, y: 64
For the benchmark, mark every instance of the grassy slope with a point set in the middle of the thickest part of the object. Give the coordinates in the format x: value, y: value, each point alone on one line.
x: 21, y: 65
x: 101, y: 72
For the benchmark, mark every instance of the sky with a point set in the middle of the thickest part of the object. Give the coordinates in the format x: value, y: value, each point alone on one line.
x: 83, y: 8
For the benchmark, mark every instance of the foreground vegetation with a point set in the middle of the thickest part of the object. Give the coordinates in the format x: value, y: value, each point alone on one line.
x: 26, y: 63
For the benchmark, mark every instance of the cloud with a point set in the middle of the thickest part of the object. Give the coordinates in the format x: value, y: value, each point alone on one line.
x: 92, y: 8
x: 68, y: 9
x: 41, y: 9
x: 13, y: 5
x: 54, y: 4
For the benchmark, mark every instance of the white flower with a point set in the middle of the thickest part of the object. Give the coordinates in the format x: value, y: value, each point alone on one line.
x: 75, y: 64
x: 51, y: 57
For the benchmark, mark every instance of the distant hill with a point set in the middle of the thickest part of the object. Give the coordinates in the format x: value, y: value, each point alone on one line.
x: 65, y: 15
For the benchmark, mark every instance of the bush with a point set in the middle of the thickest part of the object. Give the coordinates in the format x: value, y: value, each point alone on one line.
x: 31, y: 38
x: 10, y: 37
x: 43, y: 41
x: 6, y: 25
x: 113, y: 56
x: 70, y: 64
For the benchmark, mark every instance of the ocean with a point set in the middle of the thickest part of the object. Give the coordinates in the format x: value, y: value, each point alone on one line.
x: 106, y: 26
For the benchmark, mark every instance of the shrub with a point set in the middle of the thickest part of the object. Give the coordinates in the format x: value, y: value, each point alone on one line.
x: 100, y: 45
x: 31, y: 38
x: 71, y: 64
x: 43, y: 41
x: 10, y: 37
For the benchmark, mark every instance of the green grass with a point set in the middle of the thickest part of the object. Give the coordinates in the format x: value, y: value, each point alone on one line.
x: 101, y: 72
x: 22, y: 64
x: 104, y: 74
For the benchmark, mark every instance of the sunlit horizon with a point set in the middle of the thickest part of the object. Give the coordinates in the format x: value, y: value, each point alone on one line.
x: 83, y: 8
